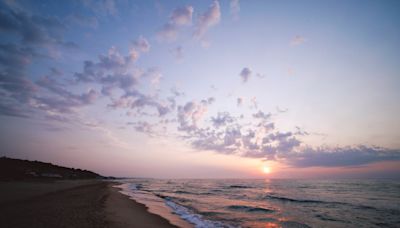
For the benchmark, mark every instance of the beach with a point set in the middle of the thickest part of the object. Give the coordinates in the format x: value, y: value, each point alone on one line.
x: 92, y: 203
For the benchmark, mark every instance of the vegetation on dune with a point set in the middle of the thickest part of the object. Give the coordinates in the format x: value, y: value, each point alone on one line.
x: 17, y: 169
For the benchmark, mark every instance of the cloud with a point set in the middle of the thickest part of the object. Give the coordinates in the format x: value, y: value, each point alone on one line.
x: 182, y: 16
x: 115, y: 71
x: 179, y: 17
x: 141, y: 44
x: 259, y: 75
x: 146, y: 128
x: 177, y: 52
x: 341, y: 156
x: 154, y: 75
x: 280, y: 110
x: 222, y: 119
x: 211, y: 100
x: 245, y: 74
x: 33, y: 29
x: 14, y: 59
x: 64, y: 101
x: 260, y: 139
x: 169, y: 32
x: 83, y: 20
x: 262, y: 115
x: 102, y: 7
x: 228, y: 135
x: 113, y: 63
x: 19, y: 95
x: 239, y: 101
x: 31, y: 38
x: 14, y: 110
x: 66, y: 104
x: 123, y: 86
x: 234, y: 9
x: 297, y: 40
x: 15, y: 87
x: 176, y: 92
x: 210, y: 18
x: 190, y: 114
x: 137, y: 101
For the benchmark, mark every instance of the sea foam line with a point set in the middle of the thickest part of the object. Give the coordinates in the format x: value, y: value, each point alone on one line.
x: 197, y: 220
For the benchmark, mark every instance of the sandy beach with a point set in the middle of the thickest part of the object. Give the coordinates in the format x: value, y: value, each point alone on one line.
x: 71, y: 204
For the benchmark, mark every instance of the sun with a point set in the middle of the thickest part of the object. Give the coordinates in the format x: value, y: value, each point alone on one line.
x: 266, y: 169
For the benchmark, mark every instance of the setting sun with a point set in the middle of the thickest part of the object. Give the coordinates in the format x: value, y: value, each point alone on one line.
x: 266, y: 169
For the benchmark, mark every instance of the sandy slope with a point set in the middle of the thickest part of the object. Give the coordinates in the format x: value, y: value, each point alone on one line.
x: 71, y: 204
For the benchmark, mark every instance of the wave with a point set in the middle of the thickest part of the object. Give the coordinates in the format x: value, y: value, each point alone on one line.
x: 249, y: 209
x: 191, y: 193
x: 332, y: 204
x: 182, y: 192
x: 193, y: 218
x: 328, y: 218
x: 293, y: 224
x: 238, y: 186
x: 293, y: 200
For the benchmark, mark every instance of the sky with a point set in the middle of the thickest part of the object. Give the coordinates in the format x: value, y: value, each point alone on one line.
x: 203, y: 89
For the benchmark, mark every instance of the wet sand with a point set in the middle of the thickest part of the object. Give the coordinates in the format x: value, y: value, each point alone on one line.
x: 71, y: 204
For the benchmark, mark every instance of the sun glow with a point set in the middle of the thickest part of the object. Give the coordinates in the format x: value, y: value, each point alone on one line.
x: 266, y: 169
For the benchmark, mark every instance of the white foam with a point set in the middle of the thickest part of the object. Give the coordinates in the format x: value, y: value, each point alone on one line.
x: 132, y: 186
x: 197, y: 220
x: 154, y: 204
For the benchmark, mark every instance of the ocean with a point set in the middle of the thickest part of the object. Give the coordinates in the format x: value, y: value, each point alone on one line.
x: 270, y: 203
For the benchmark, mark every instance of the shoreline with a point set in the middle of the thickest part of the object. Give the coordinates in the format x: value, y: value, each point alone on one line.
x: 89, y: 203
x: 153, y: 205
x: 123, y: 211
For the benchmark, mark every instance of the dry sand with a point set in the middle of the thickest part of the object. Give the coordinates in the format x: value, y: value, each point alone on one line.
x: 71, y: 204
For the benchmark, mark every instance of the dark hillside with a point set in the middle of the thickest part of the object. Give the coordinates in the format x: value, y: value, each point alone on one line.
x: 17, y: 169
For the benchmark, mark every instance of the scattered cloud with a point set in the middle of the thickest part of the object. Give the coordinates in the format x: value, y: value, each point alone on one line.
x: 281, y: 110
x: 234, y: 9
x: 297, y: 40
x: 262, y: 115
x: 141, y: 44
x: 253, y: 103
x: 222, y: 119
x: 102, y: 7
x: 177, y: 92
x: 34, y: 29
x: 245, y: 74
x: 64, y: 101
x: 83, y: 20
x: 177, y: 52
x: 182, y: 16
x: 179, y: 17
x: 14, y: 110
x: 260, y: 139
x: 239, y: 101
x: 115, y: 78
x: 210, y: 18
x: 168, y: 32
x: 341, y: 156
x: 190, y: 114
x: 144, y: 127
x: 259, y: 75
x: 28, y: 38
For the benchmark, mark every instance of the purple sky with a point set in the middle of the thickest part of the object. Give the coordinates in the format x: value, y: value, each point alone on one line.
x: 203, y: 88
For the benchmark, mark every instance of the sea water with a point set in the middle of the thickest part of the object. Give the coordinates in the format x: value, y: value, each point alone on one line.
x: 271, y: 203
